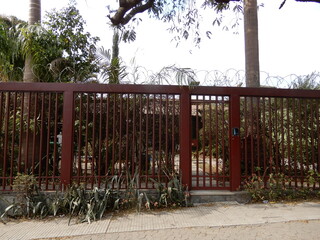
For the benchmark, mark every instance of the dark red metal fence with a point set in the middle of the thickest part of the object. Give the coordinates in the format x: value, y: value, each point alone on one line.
x: 29, y: 126
x: 280, y: 136
x: 119, y: 135
x: 210, y: 142
x: 133, y: 136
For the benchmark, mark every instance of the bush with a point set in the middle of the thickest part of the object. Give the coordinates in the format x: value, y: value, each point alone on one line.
x: 275, y: 188
x: 91, y: 205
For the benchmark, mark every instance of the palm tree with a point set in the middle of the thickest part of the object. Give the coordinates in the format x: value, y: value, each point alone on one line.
x: 251, y: 43
x: 29, y: 76
x: 34, y: 18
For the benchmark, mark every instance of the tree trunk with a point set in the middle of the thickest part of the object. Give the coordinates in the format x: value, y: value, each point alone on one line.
x: 34, y: 17
x: 251, y: 136
x: 34, y: 12
x: 29, y: 76
x: 251, y: 43
x: 115, y: 64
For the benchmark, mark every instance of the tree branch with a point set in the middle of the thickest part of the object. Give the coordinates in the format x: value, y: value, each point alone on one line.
x: 316, y: 1
x: 129, y: 8
x: 121, y: 16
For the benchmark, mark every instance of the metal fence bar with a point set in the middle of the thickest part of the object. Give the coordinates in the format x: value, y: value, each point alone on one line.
x: 67, y: 138
x: 235, y: 160
x: 185, y: 139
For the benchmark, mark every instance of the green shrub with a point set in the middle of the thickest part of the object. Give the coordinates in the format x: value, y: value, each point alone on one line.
x: 90, y: 205
x: 276, y: 188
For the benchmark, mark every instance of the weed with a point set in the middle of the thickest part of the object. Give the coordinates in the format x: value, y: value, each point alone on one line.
x: 276, y: 187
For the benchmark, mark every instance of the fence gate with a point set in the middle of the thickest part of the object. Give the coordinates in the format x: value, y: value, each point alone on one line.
x: 210, y: 152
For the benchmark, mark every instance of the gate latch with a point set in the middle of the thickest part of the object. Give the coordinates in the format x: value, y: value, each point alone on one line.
x: 235, y: 131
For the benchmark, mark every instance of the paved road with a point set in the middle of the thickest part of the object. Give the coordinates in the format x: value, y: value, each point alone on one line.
x: 215, y: 221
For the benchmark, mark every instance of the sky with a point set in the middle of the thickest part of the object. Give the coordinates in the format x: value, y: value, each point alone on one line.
x: 288, y: 38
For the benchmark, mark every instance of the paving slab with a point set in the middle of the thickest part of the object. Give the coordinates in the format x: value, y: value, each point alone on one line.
x: 207, y: 218
x: 53, y: 228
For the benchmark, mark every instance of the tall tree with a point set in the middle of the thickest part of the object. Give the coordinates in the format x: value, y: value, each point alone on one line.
x: 34, y: 18
x: 78, y: 62
x: 251, y: 43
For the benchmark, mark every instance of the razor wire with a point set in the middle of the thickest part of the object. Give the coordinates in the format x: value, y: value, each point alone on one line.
x: 173, y: 75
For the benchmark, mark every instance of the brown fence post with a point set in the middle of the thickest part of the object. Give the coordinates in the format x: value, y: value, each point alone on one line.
x: 185, y: 137
x: 67, y: 138
x: 235, y: 156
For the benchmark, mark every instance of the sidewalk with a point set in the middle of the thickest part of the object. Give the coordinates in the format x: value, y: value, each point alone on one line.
x: 214, y: 221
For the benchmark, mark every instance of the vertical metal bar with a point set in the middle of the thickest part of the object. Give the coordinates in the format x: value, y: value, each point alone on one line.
x: 6, y: 138
x: 258, y: 134
x: 197, y: 139
x: 27, y: 134
x: 294, y: 142
x: 318, y: 137
x: 160, y: 139
x: 1, y: 104
x: 252, y: 122
x: 235, y: 157
x: 127, y: 133
x: 55, y: 133
x: 113, y: 99
x: 306, y: 136
x: 167, y: 133
x: 100, y: 140
x: 42, y: 117
x: 271, y: 157
x: 229, y: 140
x: 1, y: 142
x: 48, y: 141
x: 120, y: 132
x: 210, y: 140
x: 133, y: 157
x: 107, y: 136
x: 312, y: 124
x: 282, y: 136
x: 13, y: 157
x: 67, y: 138
x: 216, y: 115
x: 34, y: 133
x: 86, y: 141
x: 185, y: 137
x: 276, y: 134
x: 147, y: 140
x: 203, y: 141
x: 301, y: 164
x: 93, y: 157
x: 153, y: 134
x: 223, y: 139
x: 140, y: 140
x: 289, y: 139
x: 264, y: 134
x: 21, y: 131
x: 79, y: 139
x: 245, y: 138
x: 173, y: 154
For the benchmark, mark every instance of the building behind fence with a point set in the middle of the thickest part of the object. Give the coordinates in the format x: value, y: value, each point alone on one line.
x: 109, y: 135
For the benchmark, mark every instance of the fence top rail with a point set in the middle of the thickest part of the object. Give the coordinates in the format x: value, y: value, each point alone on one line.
x: 256, y: 92
x: 157, y: 89
x: 90, y: 88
